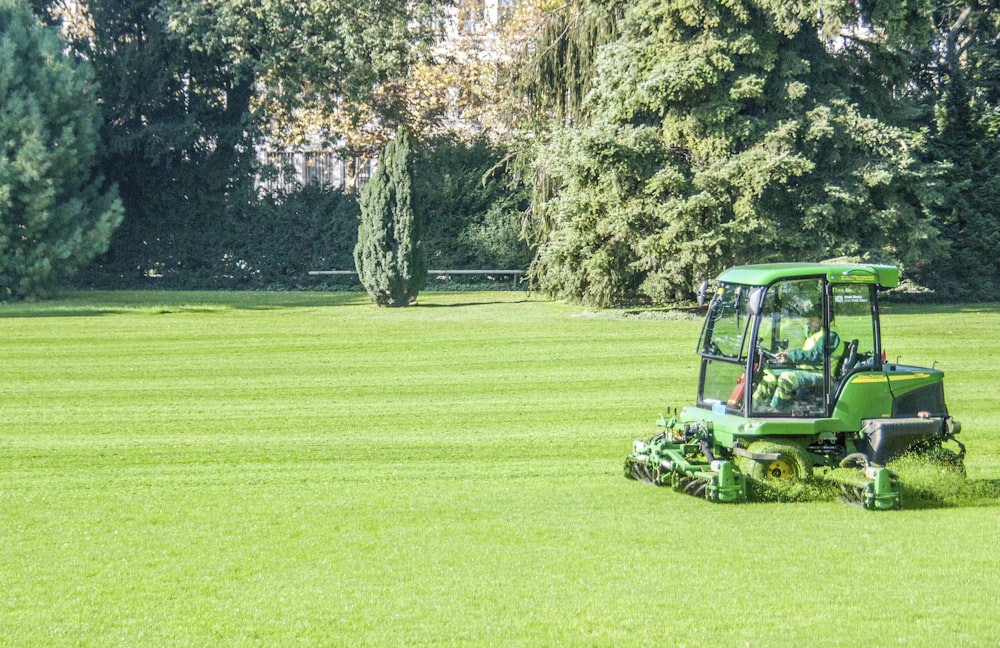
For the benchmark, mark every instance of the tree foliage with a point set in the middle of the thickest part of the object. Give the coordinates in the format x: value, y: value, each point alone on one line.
x: 558, y: 61
x: 55, y: 213
x: 471, y: 199
x: 389, y: 256
x: 333, y: 68
x: 963, y: 81
x: 187, y: 88
x: 672, y: 137
x: 178, y: 138
x: 726, y: 133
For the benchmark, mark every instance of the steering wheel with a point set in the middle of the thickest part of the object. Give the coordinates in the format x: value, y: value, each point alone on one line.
x: 767, y: 356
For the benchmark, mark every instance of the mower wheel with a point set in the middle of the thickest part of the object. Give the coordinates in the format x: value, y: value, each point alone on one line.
x: 793, y: 464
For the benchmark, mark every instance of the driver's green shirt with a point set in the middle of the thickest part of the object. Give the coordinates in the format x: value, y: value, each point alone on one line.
x: 811, y: 352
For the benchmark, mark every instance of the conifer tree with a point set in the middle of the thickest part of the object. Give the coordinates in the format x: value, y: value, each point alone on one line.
x: 55, y: 215
x: 389, y: 257
x: 736, y: 132
x: 965, y: 143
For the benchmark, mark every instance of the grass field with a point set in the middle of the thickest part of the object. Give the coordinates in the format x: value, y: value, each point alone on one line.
x: 200, y: 469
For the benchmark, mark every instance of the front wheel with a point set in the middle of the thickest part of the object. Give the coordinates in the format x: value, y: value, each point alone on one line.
x: 792, y: 463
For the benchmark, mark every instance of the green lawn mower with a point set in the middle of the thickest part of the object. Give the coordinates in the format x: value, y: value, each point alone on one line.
x: 794, y: 384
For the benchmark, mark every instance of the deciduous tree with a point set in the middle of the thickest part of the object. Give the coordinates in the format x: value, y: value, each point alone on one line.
x: 327, y: 69
x: 188, y: 86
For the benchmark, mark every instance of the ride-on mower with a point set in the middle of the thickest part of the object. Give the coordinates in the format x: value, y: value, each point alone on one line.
x: 794, y: 383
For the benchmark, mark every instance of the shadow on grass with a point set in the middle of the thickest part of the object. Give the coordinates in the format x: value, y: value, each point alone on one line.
x: 901, y: 308
x: 471, y: 303
x: 155, y: 302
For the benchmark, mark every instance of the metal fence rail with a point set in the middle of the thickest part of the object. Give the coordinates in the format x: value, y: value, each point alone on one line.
x: 440, y: 273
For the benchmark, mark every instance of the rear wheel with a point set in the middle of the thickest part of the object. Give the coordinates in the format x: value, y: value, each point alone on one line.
x: 792, y: 462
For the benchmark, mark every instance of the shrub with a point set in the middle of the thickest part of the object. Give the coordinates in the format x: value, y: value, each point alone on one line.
x: 388, y: 256
x: 471, y: 203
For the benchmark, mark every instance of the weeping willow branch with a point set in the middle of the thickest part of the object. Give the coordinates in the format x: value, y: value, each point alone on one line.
x: 559, y: 64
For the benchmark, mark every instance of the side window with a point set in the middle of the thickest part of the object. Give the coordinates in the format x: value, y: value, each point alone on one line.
x: 852, y: 319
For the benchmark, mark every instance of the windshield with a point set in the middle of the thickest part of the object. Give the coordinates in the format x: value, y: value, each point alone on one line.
x: 723, y: 347
x: 725, y: 331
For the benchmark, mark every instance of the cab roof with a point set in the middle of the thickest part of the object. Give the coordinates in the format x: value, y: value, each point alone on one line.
x: 765, y: 274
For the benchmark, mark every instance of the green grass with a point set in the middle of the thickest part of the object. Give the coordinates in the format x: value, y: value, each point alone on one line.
x: 304, y: 469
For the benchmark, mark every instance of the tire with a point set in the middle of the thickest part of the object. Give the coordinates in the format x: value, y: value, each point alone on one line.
x: 792, y: 465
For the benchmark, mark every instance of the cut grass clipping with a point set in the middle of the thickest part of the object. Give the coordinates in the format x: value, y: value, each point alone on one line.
x: 925, y: 484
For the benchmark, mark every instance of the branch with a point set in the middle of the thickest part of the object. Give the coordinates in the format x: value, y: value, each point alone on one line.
x: 950, y: 53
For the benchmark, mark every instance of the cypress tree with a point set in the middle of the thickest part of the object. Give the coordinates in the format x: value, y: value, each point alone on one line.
x: 388, y: 256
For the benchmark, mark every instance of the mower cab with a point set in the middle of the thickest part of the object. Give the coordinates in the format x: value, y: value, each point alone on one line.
x: 793, y: 378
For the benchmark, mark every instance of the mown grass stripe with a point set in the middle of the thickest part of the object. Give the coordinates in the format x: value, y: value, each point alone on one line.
x: 280, y: 469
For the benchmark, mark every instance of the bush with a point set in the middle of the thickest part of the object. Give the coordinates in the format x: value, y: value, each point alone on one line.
x: 469, y: 201
x: 472, y: 203
x: 314, y: 228
x: 271, y: 243
x: 388, y: 256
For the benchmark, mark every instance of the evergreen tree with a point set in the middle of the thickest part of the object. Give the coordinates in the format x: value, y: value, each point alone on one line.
x: 389, y: 257
x: 178, y: 140
x: 55, y: 215
x: 736, y: 132
x: 965, y: 84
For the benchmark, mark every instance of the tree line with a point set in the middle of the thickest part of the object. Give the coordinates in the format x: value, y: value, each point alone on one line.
x: 621, y: 152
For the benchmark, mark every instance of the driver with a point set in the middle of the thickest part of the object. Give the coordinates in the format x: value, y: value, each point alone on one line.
x: 780, y: 387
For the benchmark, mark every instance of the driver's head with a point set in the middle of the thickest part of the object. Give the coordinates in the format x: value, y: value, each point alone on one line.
x: 814, y: 315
